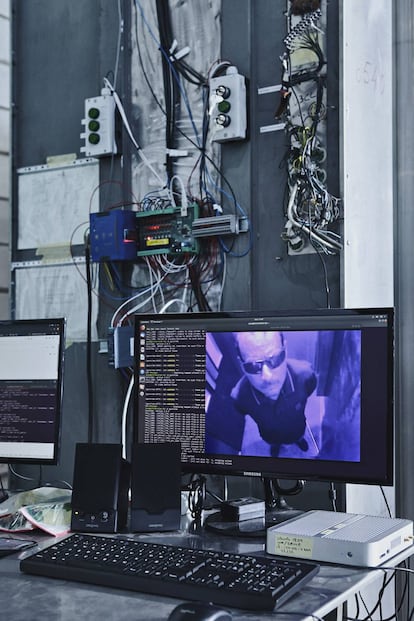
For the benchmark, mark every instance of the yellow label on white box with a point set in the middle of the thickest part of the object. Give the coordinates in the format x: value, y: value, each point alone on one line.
x: 292, y: 545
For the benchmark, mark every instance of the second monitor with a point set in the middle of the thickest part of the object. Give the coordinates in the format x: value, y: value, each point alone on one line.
x: 290, y: 395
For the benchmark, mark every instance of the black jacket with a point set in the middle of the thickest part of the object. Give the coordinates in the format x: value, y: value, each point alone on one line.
x: 280, y: 422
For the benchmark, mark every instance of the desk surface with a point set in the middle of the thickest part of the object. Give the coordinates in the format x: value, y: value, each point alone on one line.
x: 24, y: 597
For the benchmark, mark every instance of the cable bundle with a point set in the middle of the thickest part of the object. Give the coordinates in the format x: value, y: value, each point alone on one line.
x: 311, y: 209
x: 302, y: 30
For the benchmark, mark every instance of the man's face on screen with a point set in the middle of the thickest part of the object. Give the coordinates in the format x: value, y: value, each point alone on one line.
x: 263, y: 359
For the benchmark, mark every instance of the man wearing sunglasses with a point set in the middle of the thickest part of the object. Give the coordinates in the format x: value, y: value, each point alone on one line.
x: 273, y: 392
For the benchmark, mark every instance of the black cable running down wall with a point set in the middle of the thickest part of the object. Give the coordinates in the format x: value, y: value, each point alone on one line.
x: 171, y: 91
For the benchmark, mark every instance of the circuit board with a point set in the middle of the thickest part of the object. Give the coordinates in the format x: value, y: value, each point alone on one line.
x: 167, y: 231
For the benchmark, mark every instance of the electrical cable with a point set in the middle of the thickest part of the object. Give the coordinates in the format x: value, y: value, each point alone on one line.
x: 196, y: 496
x: 332, y: 495
x: 170, y: 303
x: 386, y: 581
x: 203, y: 155
x: 325, y: 273
x: 402, y: 598
x: 157, y: 101
x: 125, y: 416
x: 357, y: 605
x: 127, y: 126
x: 151, y: 289
x: 386, y: 501
x: 171, y: 92
x: 169, y: 37
x: 303, y: 169
x: 3, y: 494
x: 18, y: 475
x: 118, y: 44
x: 89, y: 343
x: 324, y: 238
x: 173, y: 70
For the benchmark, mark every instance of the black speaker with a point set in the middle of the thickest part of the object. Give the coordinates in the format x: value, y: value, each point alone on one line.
x: 101, y: 480
x: 155, y: 487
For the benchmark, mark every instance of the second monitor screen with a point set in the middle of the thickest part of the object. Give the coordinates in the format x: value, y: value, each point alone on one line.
x: 269, y: 397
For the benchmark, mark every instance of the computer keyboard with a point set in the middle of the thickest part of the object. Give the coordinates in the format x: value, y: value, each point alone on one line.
x: 250, y: 582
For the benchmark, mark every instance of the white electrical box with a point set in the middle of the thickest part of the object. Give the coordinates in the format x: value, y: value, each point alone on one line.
x: 99, y: 124
x: 228, y: 109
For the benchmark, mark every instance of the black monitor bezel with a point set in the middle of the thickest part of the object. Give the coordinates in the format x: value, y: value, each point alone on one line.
x: 40, y: 325
x: 291, y: 469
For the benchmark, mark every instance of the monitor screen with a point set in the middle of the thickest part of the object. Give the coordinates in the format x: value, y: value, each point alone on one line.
x: 293, y: 395
x: 31, y: 368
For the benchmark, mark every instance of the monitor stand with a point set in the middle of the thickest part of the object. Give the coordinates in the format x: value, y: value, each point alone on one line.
x: 255, y: 527
x: 277, y: 511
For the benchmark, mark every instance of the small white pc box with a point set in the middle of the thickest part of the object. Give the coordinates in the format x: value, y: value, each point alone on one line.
x: 342, y: 538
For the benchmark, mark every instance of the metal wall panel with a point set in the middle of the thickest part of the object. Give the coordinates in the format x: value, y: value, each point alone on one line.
x: 368, y: 153
x: 62, y: 51
x: 404, y: 255
x: 404, y: 260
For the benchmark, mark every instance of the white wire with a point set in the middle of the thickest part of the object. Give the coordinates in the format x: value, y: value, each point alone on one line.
x: 151, y: 290
x: 319, y: 236
x: 185, y: 294
x: 156, y: 288
x: 170, y: 267
x: 124, y: 416
x: 129, y: 131
x: 131, y: 382
x: 217, y: 66
x: 183, y: 301
x: 159, y: 278
x: 171, y: 302
x: 118, y: 45
x: 167, y: 265
x: 223, y: 281
x: 20, y: 476
x: 184, y: 200
x: 134, y: 297
x: 156, y: 278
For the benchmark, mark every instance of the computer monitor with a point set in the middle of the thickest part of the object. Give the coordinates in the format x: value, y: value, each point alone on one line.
x: 302, y: 395
x: 31, y: 372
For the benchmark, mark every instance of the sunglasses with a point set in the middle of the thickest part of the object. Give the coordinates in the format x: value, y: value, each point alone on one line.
x: 255, y: 367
